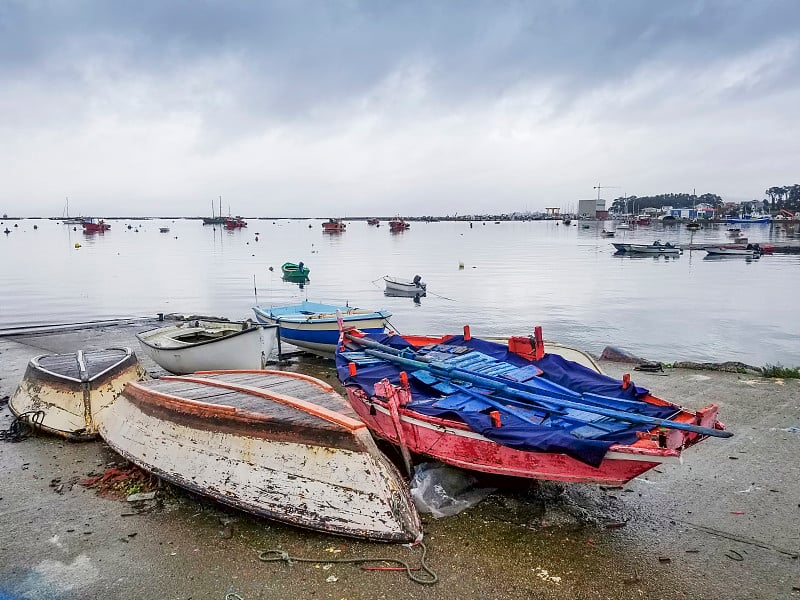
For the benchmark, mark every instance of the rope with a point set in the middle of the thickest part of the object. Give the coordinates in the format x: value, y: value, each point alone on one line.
x: 280, y: 555
x: 22, y: 426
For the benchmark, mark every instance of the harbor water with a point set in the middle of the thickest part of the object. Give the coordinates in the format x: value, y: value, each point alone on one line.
x: 500, y: 278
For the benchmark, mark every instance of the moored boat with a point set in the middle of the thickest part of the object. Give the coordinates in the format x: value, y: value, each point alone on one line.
x: 513, y: 409
x: 163, y: 229
x: 398, y: 224
x: 334, y: 226
x: 655, y: 248
x: 277, y: 444
x: 313, y: 326
x: 751, y: 250
x: 406, y: 286
x: 295, y: 271
x: 606, y: 233
x: 206, y: 345
x: 750, y: 218
x: 73, y: 390
x: 373, y: 221
x: 93, y: 225
x: 235, y: 222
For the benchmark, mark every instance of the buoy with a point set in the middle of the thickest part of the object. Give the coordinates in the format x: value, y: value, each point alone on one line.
x: 270, y: 269
x: 16, y: 225
x: 77, y: 245
x: 461, y: 265
x: 36, y: 227
x: 256, y: 238
x: 7, y: 230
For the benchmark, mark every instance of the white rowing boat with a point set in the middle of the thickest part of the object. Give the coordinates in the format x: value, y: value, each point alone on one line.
x: 205, y: 345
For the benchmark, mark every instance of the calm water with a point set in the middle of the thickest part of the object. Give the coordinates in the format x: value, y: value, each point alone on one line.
x: 515, y: 275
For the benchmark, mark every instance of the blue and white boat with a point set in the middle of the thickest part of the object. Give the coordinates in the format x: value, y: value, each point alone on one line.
x: 750, y: 218
x: 313, y: 326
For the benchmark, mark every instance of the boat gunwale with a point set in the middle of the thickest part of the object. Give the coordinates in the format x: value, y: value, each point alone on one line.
x: 34, y: 362
x: 195, y: 407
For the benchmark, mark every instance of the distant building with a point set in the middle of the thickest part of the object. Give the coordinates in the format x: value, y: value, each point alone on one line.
x: 701, y: 211
x: 592, y: 209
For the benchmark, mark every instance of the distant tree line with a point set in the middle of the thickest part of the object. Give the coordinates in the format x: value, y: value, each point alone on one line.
x: 786, y: 197
x: 628, y: 203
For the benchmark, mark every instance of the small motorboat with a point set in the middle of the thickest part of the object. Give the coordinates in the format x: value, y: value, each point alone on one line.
x: 163, y: 229
x: 693, y: 226
x: 277, y: 444
x: 405, y: 286
x: 512, y: 409
x: 72, y: 391
x: 295, y: 271
x: 397, y: 224
x: 606, y: 233
x: 655, y: 248
x: 206, y: 345
x: 751, y: 250
x: 334, y: 226
x: 314, y: 327
x: 236, y: 222
x: 373, y: 221
x: 92, y: 225
x: 623, y: 226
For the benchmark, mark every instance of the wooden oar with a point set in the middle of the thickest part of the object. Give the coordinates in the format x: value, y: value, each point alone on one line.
x: 501, y: 388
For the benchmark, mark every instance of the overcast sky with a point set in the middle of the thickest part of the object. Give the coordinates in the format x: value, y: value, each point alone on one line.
x: 345, y: 108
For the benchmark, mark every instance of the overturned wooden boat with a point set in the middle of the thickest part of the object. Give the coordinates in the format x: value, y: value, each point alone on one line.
x: 72, y: 391
x: 513, y: 409
x: 205, y: 345
x: 277, y: 444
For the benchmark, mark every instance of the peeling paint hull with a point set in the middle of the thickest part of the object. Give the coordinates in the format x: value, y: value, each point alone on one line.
x: 279, y: 445
x: 74, y: 390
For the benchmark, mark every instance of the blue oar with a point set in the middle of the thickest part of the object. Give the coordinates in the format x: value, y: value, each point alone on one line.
x: 502, y: 388
x: 516, y: 404
x: 542, y: 386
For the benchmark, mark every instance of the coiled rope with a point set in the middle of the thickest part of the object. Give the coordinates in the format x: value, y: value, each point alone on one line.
x: 22, y: 426
x: 281, y: 556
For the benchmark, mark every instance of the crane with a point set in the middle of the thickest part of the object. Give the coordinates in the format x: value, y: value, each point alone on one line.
x: 599, y: 187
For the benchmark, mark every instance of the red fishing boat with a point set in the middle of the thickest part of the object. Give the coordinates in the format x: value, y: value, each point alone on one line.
x: 235, y: 222
x: 92, y: 225
x: 334, y: 226
x: 512, y: 409
x: 398, y: 224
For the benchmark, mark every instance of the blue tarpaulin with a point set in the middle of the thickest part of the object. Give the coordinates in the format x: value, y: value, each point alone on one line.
x: 559, y: 433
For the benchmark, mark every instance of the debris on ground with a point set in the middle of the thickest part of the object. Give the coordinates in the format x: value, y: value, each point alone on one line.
x: 122, y: 482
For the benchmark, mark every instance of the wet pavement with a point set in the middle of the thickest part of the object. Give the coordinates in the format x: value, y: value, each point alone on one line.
x: 725, y: 524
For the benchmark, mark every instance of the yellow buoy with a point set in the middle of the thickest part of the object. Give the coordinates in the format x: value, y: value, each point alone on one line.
x: 77, y: 245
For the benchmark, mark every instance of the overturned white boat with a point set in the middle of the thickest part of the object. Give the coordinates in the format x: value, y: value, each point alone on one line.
x: 206, y: 345
x: 282, y: 445
x: 69, y: 393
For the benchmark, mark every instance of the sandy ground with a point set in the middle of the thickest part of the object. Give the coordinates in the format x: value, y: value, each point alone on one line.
x: 725, y: 524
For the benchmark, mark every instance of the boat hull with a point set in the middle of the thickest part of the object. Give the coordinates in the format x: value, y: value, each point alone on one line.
x: 436, y: 423
x: 74, y: 391
x: 334, y: 480
x: 407, y: 287
x: 238, y: 348
x: 318, y: 332
x: 647, y: 249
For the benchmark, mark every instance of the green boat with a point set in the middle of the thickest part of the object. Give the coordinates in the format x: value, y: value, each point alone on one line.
x: 295, y: 271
